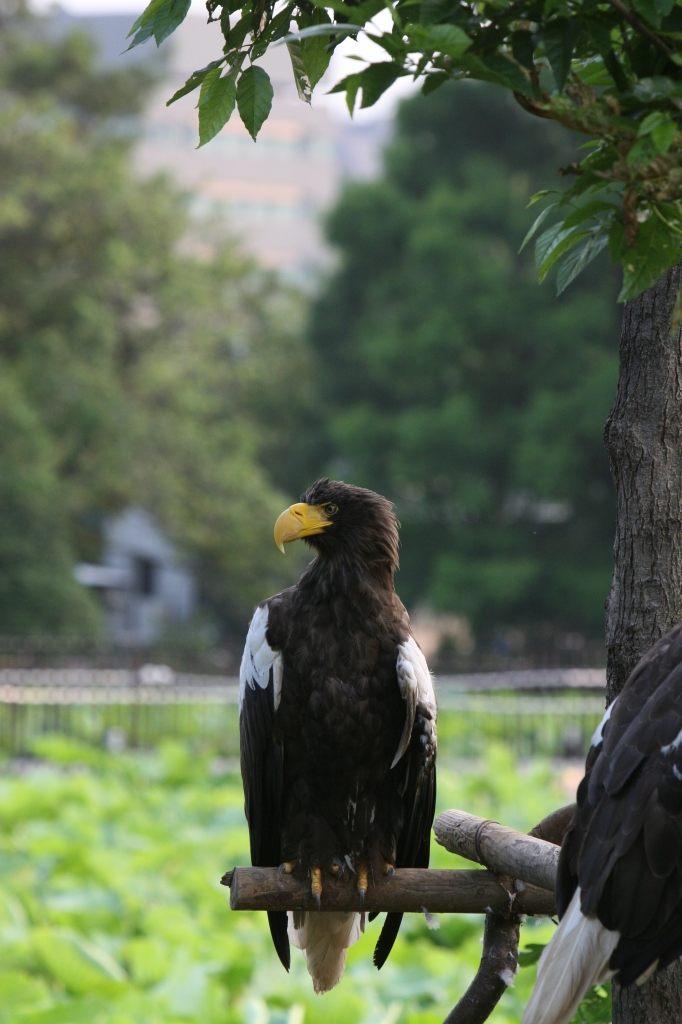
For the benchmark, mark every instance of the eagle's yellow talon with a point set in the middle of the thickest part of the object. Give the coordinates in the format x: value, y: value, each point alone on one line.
x: 388, y: 870
x: 287, y: 867
x: 316, y: 885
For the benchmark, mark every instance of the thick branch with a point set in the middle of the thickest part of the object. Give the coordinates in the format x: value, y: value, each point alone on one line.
x: 495, y: 974
x: 553, y: 828
x: 641, y: 27
x: 411, y: 890
x: 500, y: 957
x: 499, y: 848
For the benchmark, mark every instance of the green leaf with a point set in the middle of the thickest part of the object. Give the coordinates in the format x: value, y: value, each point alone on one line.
x: 142, y: 35
x: 275, y: 30
x: 664, y: 136
x: 531, y: 954
x: 537, y: 196
x: 545, y: 242
x: 376, y: 79
x: 168, y: 19
x: 254, y: 98
x: 664, y: 7
x: 434, y: 81
x: 78, y: 964
x: 509, y: 73
x: 648, y: 10
x: 652, y: 121
x: 522, y: 47
x: 315, y: 51
x: 350, y: 85
x: 656, y: 248
x: 216, y: 103
x: 643, y: 152
x: 553, y: 244
x: 618, y: 243
x: 148, y: 13
x: 587, y: 211
x: 239, y: 31
x: 195, y: 80
x: 560, y: 37
x: 578, y: 259
x: 596, y: 1007
x: 536, y: 224
x: 326, y: 29
x: 303, y: 86
x: 446, y: 39
x: 431, y: 12
x: 616, y: 70
x: 496, y: 69
x: 159, y: 19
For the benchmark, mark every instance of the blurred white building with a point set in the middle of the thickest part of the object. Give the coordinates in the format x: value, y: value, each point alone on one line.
x: 270, y: 194
x: 144, y: 585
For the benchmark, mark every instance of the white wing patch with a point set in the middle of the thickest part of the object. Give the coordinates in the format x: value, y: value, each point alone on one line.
x: 259, y: 658
x: 416, y: 687
x: 599, y: 731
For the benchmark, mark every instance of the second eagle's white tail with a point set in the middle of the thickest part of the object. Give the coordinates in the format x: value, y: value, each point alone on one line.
x: 324, y: 936
x: 576, y: 959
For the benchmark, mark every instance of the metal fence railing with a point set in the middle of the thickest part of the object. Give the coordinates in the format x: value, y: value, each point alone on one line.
x: 549, y: 710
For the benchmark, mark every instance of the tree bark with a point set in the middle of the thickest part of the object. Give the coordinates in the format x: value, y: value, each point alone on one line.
x: 643, y: 437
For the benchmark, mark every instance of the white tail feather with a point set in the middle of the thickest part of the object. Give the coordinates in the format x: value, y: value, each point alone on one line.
x: 576, y: 959
x: 324, y: 936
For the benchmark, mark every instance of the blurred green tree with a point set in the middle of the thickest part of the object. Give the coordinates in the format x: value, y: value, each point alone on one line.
x: 138, y: 373
x: 454, y: 384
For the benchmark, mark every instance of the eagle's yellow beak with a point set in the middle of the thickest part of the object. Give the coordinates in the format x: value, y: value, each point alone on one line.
x: 298, y: 521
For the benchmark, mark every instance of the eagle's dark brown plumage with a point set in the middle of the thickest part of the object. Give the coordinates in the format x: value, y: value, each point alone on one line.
x: 619, y: 882
x: 337, y: 721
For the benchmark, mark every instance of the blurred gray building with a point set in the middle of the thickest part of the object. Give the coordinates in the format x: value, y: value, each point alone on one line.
x: 270, y: 194
x: 144, y: 584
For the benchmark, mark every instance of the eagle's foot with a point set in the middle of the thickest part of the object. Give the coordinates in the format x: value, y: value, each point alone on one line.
x: 363, y: 877
x: 337, y: 867
x: 286, y: 868
x: 316, y: 885
x: 388, y: 870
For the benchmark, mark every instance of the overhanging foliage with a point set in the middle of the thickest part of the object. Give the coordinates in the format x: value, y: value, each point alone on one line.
x: 611, y: 70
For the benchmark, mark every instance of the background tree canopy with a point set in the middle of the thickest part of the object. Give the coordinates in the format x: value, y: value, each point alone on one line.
x: 434, y: 368
x: 130, y: 373
x: 451, y: 382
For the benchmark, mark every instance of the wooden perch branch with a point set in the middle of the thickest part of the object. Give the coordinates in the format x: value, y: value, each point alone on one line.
x: 497, y: 847
x: 500, y: 957
x: 410, y: 890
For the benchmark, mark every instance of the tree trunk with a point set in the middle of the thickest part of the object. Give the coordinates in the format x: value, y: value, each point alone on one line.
x: 643, y: 436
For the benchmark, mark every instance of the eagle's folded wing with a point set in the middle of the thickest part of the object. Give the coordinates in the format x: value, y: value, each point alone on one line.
x: 260, y: 685
x: 414, y: 767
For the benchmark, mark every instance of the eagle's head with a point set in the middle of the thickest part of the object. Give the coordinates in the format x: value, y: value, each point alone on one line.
x: 338, y: 519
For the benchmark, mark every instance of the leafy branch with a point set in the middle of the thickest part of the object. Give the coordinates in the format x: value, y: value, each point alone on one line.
x: 609, y: 69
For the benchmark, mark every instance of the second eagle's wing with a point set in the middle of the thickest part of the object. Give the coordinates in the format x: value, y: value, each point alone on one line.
x: 260, y: 686
x: 414, y: 768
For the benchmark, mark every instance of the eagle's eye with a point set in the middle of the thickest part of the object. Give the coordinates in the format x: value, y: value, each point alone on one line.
x: 331, y: 509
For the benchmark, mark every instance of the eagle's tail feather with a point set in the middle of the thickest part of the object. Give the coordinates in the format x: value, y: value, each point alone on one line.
x: 389, y: 934
x: 277, y: 919
x: 324, y: 937
x: 576, y: 959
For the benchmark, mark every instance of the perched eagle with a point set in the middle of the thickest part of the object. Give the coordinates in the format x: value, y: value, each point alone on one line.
x: 619, y: 882
x: 337, y: 723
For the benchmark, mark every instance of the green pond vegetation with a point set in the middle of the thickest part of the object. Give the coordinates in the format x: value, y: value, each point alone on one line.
x: 111, y: 911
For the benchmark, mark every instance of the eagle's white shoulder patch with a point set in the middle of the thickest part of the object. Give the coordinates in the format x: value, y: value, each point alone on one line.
x: 259, y: 659
x: 416, y: 687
